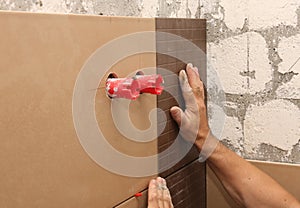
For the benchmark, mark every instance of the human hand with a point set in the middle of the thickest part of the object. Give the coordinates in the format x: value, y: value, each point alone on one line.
x: 193, y: 120
x: 158, y: 194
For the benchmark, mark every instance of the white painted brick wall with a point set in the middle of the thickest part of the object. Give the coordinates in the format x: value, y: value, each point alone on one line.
x: 268, y: 13
x: 232, y: 56
x: 276, y: 123
x: 289, y: 51
x: 235, y: 13
x: 149, y: 8
x: 261, y: 14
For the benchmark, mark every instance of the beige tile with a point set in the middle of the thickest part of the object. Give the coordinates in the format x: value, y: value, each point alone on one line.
x: 42, y: 162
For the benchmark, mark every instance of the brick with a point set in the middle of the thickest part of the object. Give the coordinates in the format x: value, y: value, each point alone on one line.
x: 231, y: 58
x: 289, y: 51
x: 235, y: 13
x: 276, y: 123
x: 268, y: 13
x: 149, y: 8
x: 225, y: 127
x: 261, y: 14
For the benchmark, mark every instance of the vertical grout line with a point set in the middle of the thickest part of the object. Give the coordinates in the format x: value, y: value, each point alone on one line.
x: 248, y: 61
x: 187, y: 9
x: 248, y: 81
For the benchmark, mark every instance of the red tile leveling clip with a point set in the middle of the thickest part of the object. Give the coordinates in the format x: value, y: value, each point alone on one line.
x: 131, y: 88
x: 139, y: 194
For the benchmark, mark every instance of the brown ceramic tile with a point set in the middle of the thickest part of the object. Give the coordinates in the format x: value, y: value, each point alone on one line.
x: 164, y: 68
x: 182, y: 176
x: 168, y: 91
x: 187, y: 187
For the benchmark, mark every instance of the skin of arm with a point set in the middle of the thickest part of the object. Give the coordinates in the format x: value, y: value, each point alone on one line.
x: 246, y: 184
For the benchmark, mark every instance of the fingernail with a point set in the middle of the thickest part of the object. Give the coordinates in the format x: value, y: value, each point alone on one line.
x: 182, y: 74
x: 189, y: 65
x: 176, y: 113
x: 195, y: 69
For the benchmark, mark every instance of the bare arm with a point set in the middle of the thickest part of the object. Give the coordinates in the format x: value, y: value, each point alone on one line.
x: 246, y: 184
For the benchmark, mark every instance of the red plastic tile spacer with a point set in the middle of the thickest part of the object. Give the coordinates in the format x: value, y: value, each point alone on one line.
x: 138, y: 194
x: 131, y: 88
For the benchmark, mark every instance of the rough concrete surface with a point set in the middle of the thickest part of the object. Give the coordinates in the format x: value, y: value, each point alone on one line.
x: 253, y: 45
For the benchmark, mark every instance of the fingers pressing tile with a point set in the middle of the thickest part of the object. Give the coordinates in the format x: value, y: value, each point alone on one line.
x: 160, y: 183
x: 152, y: 186
x: 152, y: 195
x: 158, y: 194
x: 192, y: 77
x: 196, y: 70
x: 160, y: 180
x: 183, y: 79
x: 189, y: 65
x: 164, y: 182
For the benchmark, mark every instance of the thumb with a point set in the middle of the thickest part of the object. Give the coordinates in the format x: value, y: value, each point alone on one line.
x: 177, y: 114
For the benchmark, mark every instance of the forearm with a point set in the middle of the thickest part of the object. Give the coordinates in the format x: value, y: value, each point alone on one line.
x: 246, y: 184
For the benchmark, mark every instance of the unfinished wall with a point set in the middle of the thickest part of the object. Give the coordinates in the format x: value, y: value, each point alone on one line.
x: 253, y: 45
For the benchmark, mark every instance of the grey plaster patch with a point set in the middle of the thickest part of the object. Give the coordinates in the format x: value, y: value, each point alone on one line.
x: 75, y: 6
x: 39, y: 3
x: 217, y: 29
x: 267, y: 152
x: 241, y: 101
x: 286, y: 77
x: 216, y: 96
x: 295, y: 156
x: 229, y: 145
x: 295, y: 102
x: 168, y: 7
x: 245, y: 27
x: 24, y: 5
x: 272, y: 36
x: 198, y: 11
x: 250, y: 74
x: 116, y: 7
x: 298, y: 16
x: 188, y: 11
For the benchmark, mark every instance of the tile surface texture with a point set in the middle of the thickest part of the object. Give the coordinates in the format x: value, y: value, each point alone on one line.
x: 42, y: 161
x: 190, y: 191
